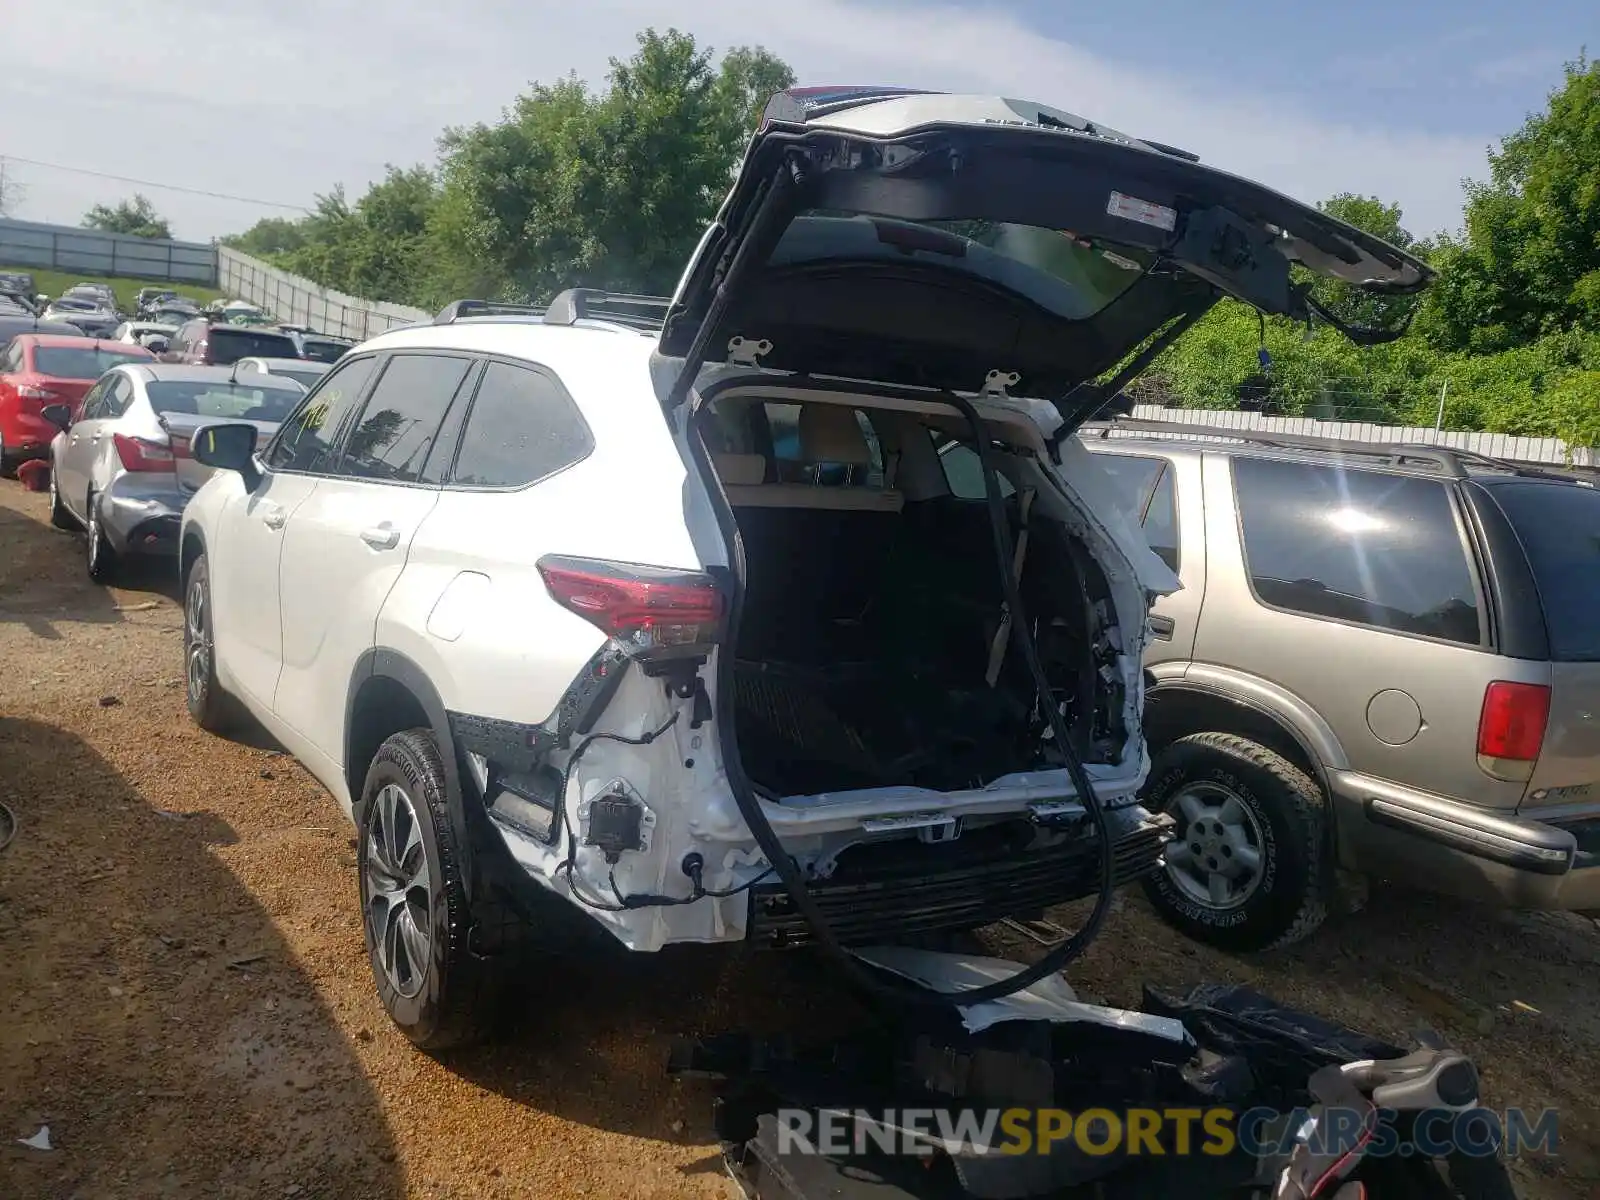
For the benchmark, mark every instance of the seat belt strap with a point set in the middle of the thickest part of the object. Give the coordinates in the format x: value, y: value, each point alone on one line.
x: 1002, y: 636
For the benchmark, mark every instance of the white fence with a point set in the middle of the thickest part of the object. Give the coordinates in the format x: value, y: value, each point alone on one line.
x: 90, y: 252
x: 1498, y: 445
x: 298, y: 301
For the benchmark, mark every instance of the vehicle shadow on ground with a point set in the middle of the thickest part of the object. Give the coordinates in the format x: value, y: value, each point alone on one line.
x: 44, y: 582
x: 154, y: 1018
x: 594, y: 1045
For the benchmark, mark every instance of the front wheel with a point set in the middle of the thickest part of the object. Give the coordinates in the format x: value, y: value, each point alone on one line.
x: 1247, y: 869
x: 416, y: 913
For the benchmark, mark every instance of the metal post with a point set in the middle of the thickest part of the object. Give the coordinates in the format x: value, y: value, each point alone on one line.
x: 1438, y: 421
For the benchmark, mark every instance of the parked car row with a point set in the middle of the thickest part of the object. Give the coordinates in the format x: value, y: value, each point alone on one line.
x: 831, y: 642
x: 41, y: 371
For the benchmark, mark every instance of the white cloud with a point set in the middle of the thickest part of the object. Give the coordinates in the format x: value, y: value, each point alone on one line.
x: 283, y: 101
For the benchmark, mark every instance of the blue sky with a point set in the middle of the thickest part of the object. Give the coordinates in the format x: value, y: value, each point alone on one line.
x: 279, y: 102
x: 1465, y: 67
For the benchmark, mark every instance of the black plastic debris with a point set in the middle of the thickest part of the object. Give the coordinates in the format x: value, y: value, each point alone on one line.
x: 1247, y: 1050
x: 1281, y: 1046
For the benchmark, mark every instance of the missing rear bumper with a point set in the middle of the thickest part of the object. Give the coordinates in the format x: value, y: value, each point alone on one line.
x: 908, y: 899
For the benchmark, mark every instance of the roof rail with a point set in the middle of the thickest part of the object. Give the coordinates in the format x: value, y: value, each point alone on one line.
x: 1445, y: 458
x: 580, y: 304
x: 1449, y: 459
x: 456, y: 310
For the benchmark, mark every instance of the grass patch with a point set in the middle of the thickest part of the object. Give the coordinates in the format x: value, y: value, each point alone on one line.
x: 53, y: 283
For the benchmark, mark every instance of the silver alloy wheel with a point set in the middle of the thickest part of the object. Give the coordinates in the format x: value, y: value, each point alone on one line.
x: 94, y: 535
x: 399, y: 887
x: 198, y: 648
x: 1217, y: 858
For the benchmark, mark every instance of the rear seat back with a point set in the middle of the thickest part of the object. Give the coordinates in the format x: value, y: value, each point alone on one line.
x: 813, y: 551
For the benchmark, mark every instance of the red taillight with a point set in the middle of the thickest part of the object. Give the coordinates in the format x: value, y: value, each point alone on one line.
x: 654, y: 612
x: 1512, y: 724
x: 138, y: 454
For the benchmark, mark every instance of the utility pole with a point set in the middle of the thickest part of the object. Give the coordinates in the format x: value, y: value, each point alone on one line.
x: 1438, y: 421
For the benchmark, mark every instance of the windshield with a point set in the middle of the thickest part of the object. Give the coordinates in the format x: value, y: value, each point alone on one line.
x: 230, y: 345
x: 71, y: 362
x: 223, y: 400
x: 76, y: 303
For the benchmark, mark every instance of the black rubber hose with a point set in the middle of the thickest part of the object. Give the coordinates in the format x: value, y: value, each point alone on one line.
x: 794, y: 884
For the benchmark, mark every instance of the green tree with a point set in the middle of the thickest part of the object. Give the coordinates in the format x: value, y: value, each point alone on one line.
x: 1345, y: 300
x: 1530, y: 262
x: 268, y: 237
x: 136, y: 216
x: 608, y: 189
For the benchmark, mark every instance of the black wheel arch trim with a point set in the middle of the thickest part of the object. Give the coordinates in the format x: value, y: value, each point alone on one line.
x: 388, y: 664
x: 1319, y: 768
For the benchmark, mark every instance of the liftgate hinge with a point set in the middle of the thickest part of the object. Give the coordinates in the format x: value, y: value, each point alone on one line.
x: 748, y: 352
x: 995, y: 384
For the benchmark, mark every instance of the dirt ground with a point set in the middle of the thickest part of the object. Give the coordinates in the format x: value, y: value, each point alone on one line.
x: 185, y: 1000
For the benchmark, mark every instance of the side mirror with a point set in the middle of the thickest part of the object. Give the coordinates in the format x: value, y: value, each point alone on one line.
x: 58, y: 415
x: 228, y: 447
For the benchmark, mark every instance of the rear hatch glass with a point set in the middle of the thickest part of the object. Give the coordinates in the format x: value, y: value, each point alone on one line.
x: 230, y: 345
x: 1559, y: 527
x: 73, y: 362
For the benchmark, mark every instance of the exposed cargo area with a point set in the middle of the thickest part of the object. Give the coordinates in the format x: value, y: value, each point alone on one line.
x: 872, y: 648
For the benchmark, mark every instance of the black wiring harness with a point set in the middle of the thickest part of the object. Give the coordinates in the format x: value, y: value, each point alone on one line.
x: 693, y: 864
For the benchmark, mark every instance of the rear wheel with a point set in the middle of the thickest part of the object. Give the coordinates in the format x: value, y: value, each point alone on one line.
x: 416, y: 913
x: 101, y: 558
x: 59, y: 516
x: 1248, y: 869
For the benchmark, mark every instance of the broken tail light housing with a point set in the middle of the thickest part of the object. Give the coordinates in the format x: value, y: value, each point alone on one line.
x: 141, y: 454
x: 653, y: 613
x: 1511, y: 728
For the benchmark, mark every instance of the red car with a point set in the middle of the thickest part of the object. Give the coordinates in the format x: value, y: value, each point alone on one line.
x: 37, y: 369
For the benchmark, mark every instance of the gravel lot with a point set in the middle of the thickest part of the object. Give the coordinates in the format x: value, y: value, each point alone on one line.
x: 188, y: 1007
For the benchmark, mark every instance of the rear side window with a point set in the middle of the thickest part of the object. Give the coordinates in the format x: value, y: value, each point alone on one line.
x: 1151, y: 498
x: 1559, y: 525
x: 1359, y: 546
x: 523, y: 427
x: 396, y: 429
x: 963, y: 470
x: 307, y: 440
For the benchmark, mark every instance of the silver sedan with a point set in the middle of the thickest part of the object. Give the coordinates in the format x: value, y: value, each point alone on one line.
x: 120, y: 468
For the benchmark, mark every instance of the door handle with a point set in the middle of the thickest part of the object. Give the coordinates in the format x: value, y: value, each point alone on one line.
x: 273, y: 517
x: 1162, y: 627
x: 381, y: 537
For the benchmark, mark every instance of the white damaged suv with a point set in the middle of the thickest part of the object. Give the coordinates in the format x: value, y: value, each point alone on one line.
x: 668, y: 608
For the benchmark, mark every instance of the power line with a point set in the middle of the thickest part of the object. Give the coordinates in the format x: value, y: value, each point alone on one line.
x: 150, y: 183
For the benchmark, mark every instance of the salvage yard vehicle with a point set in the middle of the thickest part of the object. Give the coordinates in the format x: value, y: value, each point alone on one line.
x: 38, y: 370
x: 302, y: 371
x: 120, y: 468
x: 1384, y: 659
x: 665, y: 607
x: 210, y: 343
